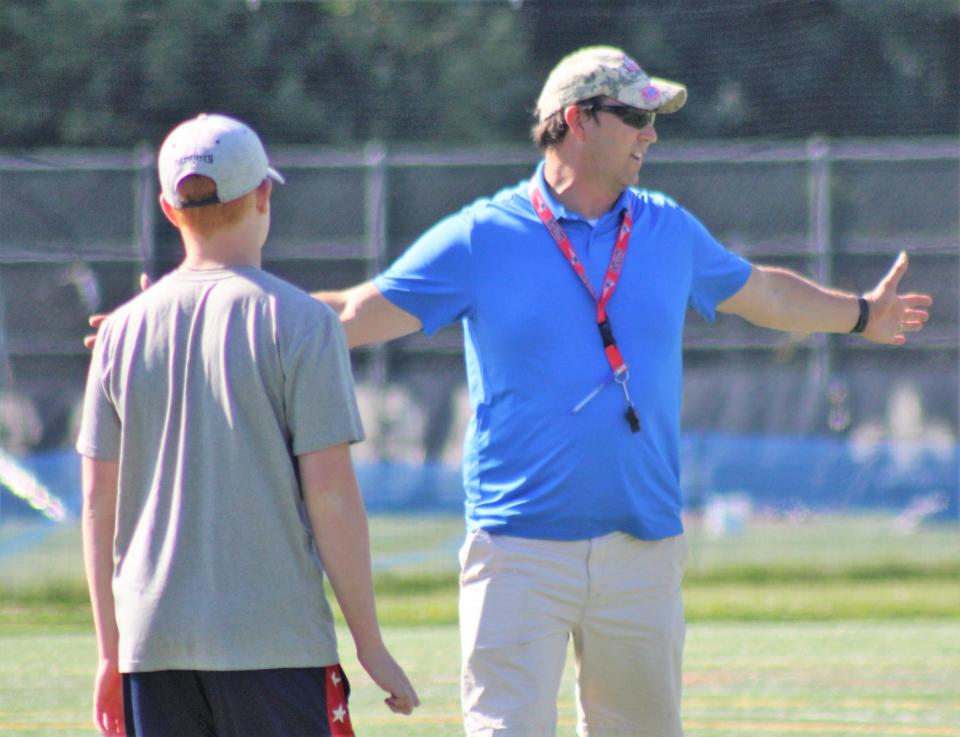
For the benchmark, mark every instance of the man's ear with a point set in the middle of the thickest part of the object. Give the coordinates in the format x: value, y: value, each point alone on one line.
x: 574, y: 116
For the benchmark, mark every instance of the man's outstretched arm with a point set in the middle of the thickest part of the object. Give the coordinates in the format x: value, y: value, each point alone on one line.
x: 367, y: 316
x: 783, y: 300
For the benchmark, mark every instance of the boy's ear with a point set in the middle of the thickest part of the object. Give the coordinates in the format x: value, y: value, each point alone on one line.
x: 263, y: 195
x: 169, y: 211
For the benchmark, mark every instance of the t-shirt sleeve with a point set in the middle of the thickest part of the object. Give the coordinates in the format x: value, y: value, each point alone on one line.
x: 99, y: 435
x: 319, y: 393
x: 718, y: 273
x: 433, y: 279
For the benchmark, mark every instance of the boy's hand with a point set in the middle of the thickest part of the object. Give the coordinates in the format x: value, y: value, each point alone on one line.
x: 388, y: 675
x: 108, y: 700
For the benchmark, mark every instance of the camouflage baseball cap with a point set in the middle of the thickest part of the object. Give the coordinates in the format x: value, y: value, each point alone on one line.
x: 604, y: 70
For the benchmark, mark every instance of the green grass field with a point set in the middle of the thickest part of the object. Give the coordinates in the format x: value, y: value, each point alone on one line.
x: 832, y: 627
x: 830, y: 679
x: 816, y: 569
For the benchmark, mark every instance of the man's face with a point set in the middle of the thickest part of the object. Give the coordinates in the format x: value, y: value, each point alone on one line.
x: 615, y: 150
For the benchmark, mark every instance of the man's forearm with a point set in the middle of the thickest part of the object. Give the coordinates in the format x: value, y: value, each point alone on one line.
x: 337, y: 301
x: 784, y: 300
x: 367, y: 316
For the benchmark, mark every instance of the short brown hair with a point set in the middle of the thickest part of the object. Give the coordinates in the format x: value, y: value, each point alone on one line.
x: 553, y: 130
x: 208, y: 219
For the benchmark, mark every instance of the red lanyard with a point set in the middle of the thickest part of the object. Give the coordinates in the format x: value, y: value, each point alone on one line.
x: 614, y: 358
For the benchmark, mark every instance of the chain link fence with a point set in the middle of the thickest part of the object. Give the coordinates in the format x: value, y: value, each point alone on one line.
x: 78, y: 228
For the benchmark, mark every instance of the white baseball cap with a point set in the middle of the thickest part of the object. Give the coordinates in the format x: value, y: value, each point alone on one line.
x: 215, y: 146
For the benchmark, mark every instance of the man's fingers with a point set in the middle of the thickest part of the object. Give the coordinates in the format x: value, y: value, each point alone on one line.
x: 145, y: 282
x: 916, y: 300
x: 913, y: 320
x: 914, y: 315
x: 90, y: 340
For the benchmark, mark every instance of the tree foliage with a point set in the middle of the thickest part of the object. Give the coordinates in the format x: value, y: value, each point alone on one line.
x: 112, y: 73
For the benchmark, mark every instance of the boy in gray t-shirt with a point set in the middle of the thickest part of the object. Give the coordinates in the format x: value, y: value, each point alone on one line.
x: 217, y: 478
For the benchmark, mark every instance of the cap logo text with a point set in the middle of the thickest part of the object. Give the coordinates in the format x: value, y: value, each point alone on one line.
x: 194, y: 159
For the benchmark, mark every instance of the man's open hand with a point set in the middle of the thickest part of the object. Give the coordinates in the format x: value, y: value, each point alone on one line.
x: 95, y: 320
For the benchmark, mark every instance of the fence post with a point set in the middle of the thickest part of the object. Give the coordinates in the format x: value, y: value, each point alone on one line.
x: 146, y: 206
x: 819, y: 227
x: 375, y: 254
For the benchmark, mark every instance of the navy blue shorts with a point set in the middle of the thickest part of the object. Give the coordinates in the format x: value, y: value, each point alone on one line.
x: 293, y: 702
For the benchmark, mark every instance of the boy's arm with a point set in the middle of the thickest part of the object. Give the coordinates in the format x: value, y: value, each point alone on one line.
x: 339, y: 523
x: 99, y: 480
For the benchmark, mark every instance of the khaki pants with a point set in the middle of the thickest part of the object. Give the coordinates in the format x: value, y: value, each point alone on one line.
x: 617, y: 596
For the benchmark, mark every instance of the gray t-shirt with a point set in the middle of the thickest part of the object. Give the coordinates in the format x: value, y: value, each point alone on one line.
x: 205, y: 387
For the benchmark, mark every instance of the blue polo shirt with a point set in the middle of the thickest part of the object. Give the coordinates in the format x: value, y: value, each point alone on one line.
x: 532, y: 467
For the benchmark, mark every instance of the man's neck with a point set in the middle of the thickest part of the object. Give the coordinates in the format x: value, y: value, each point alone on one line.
x: 574, y: 190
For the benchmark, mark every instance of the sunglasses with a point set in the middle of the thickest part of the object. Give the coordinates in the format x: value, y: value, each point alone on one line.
x: 634, y: 117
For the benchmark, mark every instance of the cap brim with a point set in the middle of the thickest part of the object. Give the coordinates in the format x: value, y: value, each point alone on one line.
x: 275, y: 175
x: 673, y: 95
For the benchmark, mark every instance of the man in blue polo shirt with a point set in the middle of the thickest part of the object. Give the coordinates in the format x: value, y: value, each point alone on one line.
x: 572, y: 290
